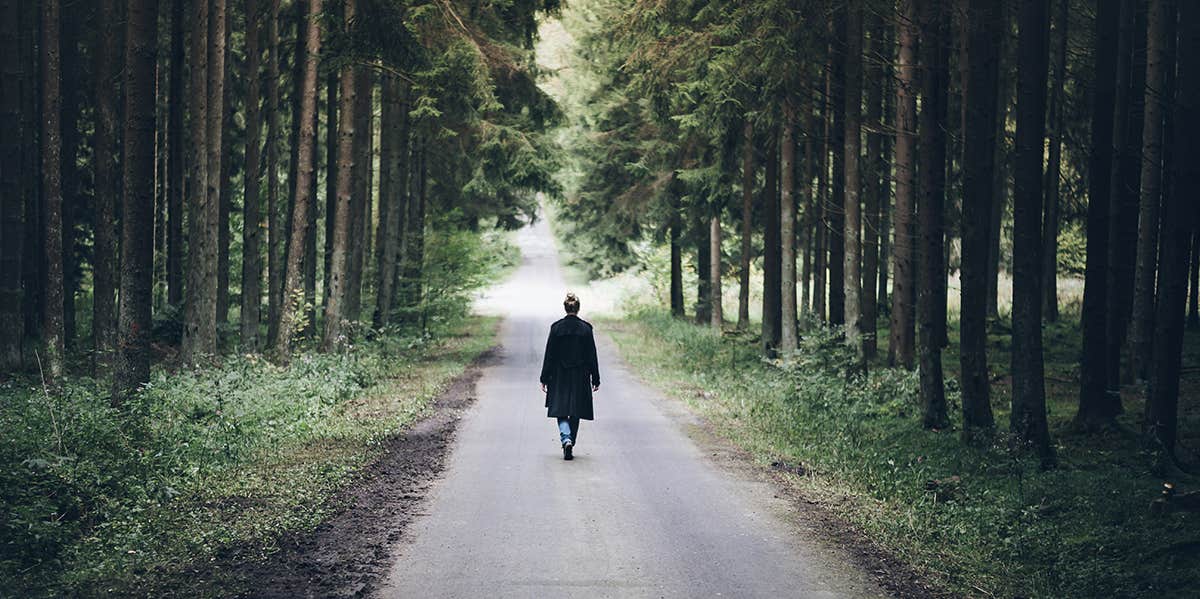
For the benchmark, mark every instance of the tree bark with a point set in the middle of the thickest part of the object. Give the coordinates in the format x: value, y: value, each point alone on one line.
x: 343, y: 215
x: 275, y: 231
x: 772, y: 263
x: 979, y: 156
x: 175, y: 166
x: 52, y: 197
x: 331, y: 161
x: 931, y: 268
x: 1028, y: 416
x: 787, y: 231
x: 32, y: 257
x: 1097, y: 408
x: 104, y: 272
x: 293, y: 290
x: 888, y: 75
x: 743, y: 321
x: 901, y: 335
x: 199, y: 315
x: 137, y: 200
x: 252, y: 224
x: 12, y: 198
x: 714, y: 277
x: 71, y: 74
x: 1179, y: 214
x: 700, y: 232
x: 361, y: 194
x: 852, y: 148
x: 224, y: 187
x: 393, y: 144
x: 1141, y: 339
x: 676, y: 252
x: 872, y: 183
x: 837, y: 204
x: 1053, y: 183
x: 821, y: 233
x: 1000, y: 170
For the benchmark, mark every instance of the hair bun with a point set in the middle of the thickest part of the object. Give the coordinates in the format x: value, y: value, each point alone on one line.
x: 571, y: 297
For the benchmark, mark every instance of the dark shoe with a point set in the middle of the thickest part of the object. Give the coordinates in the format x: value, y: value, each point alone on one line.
x: 567, y: 451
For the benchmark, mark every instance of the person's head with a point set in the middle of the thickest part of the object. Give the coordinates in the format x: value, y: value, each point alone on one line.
x: 571, y: 304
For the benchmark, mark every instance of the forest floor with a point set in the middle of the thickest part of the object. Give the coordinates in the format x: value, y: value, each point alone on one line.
x: 223, y: 479
x: 985, y: 522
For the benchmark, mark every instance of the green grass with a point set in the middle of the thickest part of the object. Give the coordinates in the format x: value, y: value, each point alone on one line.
x: 1007, y: 529
x: 102, y: 499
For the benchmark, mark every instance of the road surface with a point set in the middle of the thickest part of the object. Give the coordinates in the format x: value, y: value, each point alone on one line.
x: 642, y: 511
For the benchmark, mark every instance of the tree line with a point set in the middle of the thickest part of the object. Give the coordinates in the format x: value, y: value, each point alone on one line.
x: 285, y: 161
x: 866, y: 150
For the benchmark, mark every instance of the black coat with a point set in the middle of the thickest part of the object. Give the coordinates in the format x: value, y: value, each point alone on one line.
x: 569, y: 369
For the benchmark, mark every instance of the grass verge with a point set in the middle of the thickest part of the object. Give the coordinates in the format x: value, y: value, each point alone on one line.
x: 981, y: 522
x: 100, y: 500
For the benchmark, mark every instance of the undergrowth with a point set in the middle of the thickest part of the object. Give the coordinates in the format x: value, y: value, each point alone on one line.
x: 978, y: 521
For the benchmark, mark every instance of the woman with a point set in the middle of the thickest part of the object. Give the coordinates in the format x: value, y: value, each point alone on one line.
x: 570, y: 373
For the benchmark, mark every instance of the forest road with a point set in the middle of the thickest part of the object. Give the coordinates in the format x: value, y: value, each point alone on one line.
x: 642, y: 511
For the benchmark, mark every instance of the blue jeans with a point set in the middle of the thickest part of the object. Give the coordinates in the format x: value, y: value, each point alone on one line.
x: 568, y: 428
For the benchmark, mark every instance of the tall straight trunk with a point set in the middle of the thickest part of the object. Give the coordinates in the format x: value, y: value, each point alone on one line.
x: 887, y: 144
x: 1028, y: 416
x: 1179, y: 214
x: 293, y: 177
x: 12, y: 198
x: 700, y: 232
x: 224, y: 187
x: 32, y: 258
x: 901, y: 331
x: 310, y: 243
x: 392, y: 153
x: 1000, y: 169
x: 852, y: 148
x: 293, y: 279
x: 199, y: 315
x: 137, y: 200
x: 872, y: 183
x: 787, y: 230
x: 1053, y: 183
x: 772, y: 264
x: 331, y: 160
x: 743, y: 321
x: 70, y: 76
x: 714, y: 276
x: 415, y: 254
x: 1157, y: 62
x: 1125, y: 184
x: 837, y: 182
x: 361, y: 194
x: 821, y: 235
x: 175, y: 145
x: 343, y: 214
x: 1097, y: 407
x: 252, y: 225
x: 811, y: 201
x: 104, y: 272
x: 979, y: 156
x: 931, y: 267
x: 676, y: 253
x: 52, y: 195
x: 275, y: 255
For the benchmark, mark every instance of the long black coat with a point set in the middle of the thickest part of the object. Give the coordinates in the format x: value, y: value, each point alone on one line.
x: 569, y: 369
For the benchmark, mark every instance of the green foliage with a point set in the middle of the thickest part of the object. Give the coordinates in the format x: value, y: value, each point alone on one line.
x: 1003, y: 527
x: 1072, y: 249
x: 93, y: 492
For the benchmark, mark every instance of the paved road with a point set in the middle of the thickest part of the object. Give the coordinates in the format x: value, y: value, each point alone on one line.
x: 640, y: 512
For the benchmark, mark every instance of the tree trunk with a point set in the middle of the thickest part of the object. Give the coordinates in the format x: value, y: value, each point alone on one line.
x: 821, y: 233
x: 175, y: 145
x: 224, y: 188
x: 700, y: 232
x: 772, y: 263
x: 343, y: 213
x: 137, y: 200
x: 787, y: 231
x: 676, y: 252
x: 252, y: 225
x: 931, y: 268
x: 714, y: 277
x: 52, y: 196
x: 837, y: 204
x: 1097, y: 407
x: 979, y: 148
x: 12, y: 200
x: 811, y: 200
x: 32, y: 257
x: 1141, y: 339
x: 743, y: 321
x: 1054, y: 167
x: 331, y: 161
x: 361, y: 194
x: 888, y: 75
x: 293, y: 279
x: 1000, y: 169
x: 1179, y: 215
x: 872, y: 182
x: 199, y: 316
x: 901, y: 331
x: 72, y: 200
x: 852, y: 147
x: 1028, y: 416
x: 393, y: 143
x: 104, y: 272
x: 1193, y: 318
x: 310, y: 242
x: 275, y: 231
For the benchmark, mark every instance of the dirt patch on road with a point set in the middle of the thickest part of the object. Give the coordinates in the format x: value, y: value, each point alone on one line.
x: 349, y: 553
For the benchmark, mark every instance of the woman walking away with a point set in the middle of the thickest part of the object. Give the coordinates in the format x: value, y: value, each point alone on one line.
x: 570, y: 373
